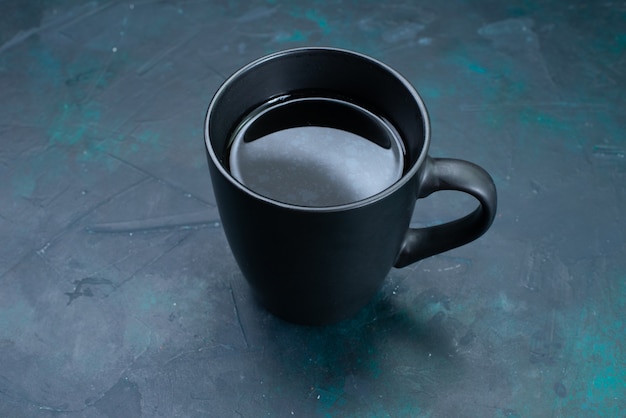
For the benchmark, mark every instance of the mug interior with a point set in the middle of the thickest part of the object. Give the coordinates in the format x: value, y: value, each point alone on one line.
x: 323, y: 71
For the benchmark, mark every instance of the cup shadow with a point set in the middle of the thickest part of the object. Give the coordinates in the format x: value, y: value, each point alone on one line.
x: 391, y: 349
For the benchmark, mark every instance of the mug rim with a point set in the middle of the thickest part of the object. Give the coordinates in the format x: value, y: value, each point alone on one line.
x: 406, y: 177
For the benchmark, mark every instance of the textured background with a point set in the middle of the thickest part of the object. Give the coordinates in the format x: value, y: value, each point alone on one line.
x: 119, y: 296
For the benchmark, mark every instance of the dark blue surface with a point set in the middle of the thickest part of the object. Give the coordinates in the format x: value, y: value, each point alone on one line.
x: 119, y: 296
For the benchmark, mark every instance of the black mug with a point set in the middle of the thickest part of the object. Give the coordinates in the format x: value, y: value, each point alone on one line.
x: 321, y: 262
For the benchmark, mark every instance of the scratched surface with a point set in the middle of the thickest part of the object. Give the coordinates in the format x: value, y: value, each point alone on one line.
x: 119, y: 296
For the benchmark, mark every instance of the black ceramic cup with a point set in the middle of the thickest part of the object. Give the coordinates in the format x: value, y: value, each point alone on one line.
x: 320, y: 264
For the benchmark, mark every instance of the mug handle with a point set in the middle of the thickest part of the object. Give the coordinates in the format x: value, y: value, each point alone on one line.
x: 451, y: 174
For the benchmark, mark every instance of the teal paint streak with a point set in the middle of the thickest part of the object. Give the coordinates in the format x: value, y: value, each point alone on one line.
x: 601, y: 376
x: 316, y: 17
x: 73, y: 123
x: 464, y: 60
x: 312, y: 15
x: 330, y: 397
x: 430, y: 92
x: 351, y: 352
x: 69, y: 118
x: 474, y: 67
x: 500, y: 87
x: 300, y: 35
x: 75, y: 131
x: 551, y: 126
x: 316, y: 26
